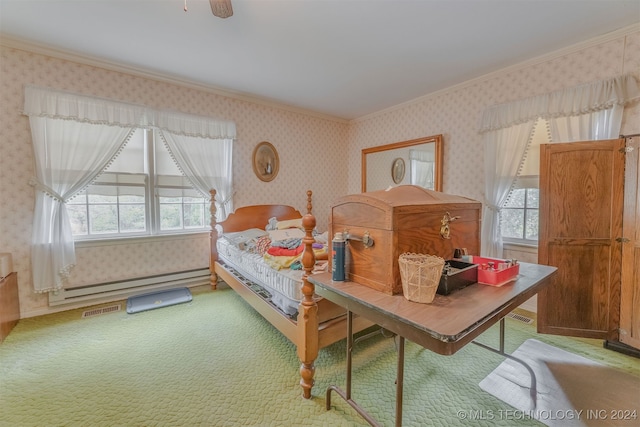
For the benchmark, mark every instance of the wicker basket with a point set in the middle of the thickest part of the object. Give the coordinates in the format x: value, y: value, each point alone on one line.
x: 420, y: 275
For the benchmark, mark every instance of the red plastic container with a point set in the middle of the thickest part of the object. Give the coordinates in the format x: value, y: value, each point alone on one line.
x: 496, y: 277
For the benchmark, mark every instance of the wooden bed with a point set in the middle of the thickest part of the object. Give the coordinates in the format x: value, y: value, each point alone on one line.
x: 319, y: 322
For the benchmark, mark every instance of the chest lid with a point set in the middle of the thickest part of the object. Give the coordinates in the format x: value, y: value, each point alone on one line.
x: 382, y: 208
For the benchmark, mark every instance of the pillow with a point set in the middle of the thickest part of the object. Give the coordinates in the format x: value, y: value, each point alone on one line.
x: 272, y: 224
x: 290, y: 223
x: 241, y: 239
x: 289, y: 233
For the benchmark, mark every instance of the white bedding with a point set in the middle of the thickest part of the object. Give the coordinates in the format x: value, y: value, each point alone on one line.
x: 284, y: 286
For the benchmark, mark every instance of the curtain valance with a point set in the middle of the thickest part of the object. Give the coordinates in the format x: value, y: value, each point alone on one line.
x: 574, y: 101
x: 195, y: 126
x: 45, y: 102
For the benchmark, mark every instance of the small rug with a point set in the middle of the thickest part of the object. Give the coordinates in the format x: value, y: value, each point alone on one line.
x: 152, y: 300
x: 572, y: 390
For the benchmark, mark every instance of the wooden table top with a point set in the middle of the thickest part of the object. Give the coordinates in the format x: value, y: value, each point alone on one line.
x: 449, y: 322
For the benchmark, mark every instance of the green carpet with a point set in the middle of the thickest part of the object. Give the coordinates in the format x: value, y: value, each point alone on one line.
x: 216, y: 362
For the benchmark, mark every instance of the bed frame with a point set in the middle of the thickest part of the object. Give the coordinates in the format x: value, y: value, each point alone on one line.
x: 319, y: 322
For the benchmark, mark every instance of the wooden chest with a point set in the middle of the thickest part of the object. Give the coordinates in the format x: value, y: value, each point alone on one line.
x: 406, y: 218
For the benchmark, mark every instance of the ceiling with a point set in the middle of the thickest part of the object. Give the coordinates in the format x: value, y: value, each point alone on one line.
x: 341, y: 58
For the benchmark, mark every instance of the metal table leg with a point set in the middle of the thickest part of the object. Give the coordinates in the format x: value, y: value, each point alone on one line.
x: 400, y: 381
x: 533, y: 392
x: 346, y: 396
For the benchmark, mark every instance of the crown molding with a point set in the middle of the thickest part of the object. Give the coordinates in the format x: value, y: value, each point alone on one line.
x: 67, y: 55
x: 614, y: 35
x: 47, y: 50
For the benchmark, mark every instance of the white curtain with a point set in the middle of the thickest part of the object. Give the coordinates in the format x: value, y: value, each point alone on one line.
x: 504, y: 154
x: 596, y: 125
x: 75, y: 138
x: 576, y: 101
x: 587, y: 112
x: 72, y: 144
x: 422, y: 168
x: 202, y: 149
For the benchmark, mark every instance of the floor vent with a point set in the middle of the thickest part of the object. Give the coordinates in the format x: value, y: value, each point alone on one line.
x: 101, y: 310
x: 520, y: 318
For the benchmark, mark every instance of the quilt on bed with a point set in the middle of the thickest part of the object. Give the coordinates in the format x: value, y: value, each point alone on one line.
x: 271, y: 259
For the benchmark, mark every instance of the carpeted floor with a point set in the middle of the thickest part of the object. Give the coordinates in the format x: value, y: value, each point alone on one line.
x: 216, y: 362
x: 572, y: 391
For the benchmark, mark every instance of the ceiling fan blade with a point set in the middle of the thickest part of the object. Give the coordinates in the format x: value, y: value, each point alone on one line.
x: 221, y: 8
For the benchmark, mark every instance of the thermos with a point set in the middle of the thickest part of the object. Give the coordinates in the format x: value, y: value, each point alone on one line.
x: 337, y: 250
x: 459, y: 253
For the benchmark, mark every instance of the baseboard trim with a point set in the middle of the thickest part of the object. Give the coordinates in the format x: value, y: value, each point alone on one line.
x: 622, y: 348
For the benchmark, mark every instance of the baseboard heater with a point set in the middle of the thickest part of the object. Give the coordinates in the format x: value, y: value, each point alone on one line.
x: 125, y: 288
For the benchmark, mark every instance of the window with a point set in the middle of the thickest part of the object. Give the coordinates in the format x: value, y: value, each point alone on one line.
x: 141, y: 193
x: 519, y: 216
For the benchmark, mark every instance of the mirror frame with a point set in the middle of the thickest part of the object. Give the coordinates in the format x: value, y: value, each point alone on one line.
x: 436, y: 139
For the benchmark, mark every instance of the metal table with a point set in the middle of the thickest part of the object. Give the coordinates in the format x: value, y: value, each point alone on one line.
x: 443, y: 326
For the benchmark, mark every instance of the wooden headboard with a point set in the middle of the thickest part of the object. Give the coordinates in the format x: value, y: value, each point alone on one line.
x: 257, y: 217
x: 246, y: 217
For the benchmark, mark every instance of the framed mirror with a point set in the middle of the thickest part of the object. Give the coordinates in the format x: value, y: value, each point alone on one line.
x: 417, y: 162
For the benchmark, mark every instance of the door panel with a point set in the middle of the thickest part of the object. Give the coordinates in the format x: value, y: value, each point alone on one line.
x: 630, y: 293
x: 581, y: 200
x: 593, y: 305
x: 579, y: 188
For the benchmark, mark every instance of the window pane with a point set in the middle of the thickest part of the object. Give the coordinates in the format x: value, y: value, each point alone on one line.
x: 164, y: 200
x: 79, y: 199
x: 132, y: 218
x: 78, y: 217
x: 516, y: 198
x: 118, y: 202
x: 104, y: 219
x: 131, y: 199
x: 133, y: 157
x: 170, y: 217
x: 101, y: 198
x: 532, y: 225
x: 194, y: 200
x: 164, y: 163
x: 111, y: 178
x: 512, y: 223
x: 533, y: 198
x: 181, y: 189
x: 193, y: 216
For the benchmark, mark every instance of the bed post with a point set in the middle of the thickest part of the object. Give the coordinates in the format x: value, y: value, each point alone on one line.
x: 213, y: 240
x: 308, y: 309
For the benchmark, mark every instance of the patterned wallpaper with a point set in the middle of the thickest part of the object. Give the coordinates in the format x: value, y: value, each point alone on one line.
x: 315, y: 153
x: 456, y: 113
x: 311, y: 152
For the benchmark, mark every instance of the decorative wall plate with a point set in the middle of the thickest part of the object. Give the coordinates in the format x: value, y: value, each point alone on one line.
x: 266, y: 162
x: 397, y: 170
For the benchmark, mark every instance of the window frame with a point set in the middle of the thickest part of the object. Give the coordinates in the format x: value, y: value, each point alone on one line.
x: 153, y: 219
x: 523, y: 240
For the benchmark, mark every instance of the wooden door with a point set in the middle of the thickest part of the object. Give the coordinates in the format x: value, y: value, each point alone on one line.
x: 630, y: 289
x: 581, y: 205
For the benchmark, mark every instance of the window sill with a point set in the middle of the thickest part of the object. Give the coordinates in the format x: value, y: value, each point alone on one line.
x: 139, y: 239
x: 523, y: 247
